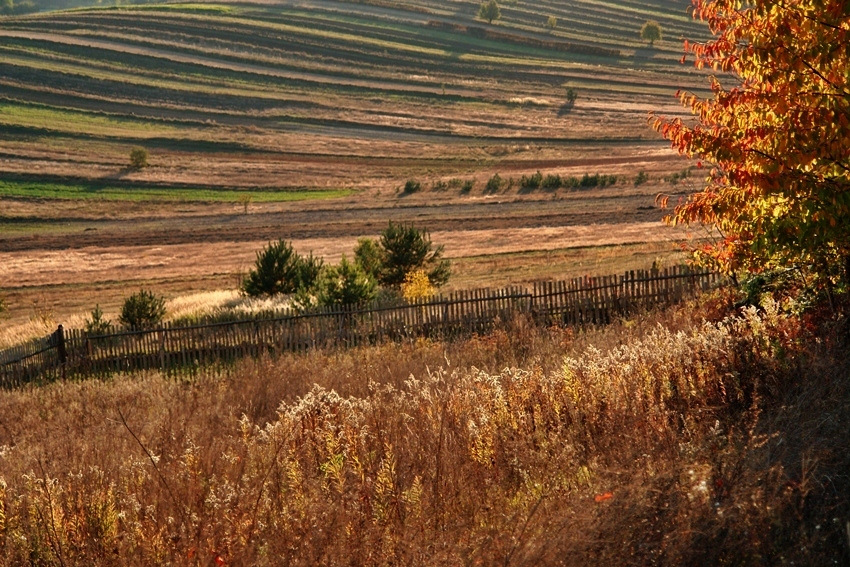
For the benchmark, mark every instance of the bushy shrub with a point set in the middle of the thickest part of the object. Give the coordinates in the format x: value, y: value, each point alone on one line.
x: 142, y: 310
x: 279, y: 269
x: 494, y: 184
x: 345, y: 284
x: 367, y: 255
x: 138, y: 158
x: 439, y: 185
x: 674, y: 178
x: 551, y: 22
x: 531, y: 182
x: 411, y: 186
x: 779, y: 282
x: 555, y: 181
x: 467, y: 186
x: 606, y: 180
x: 589, y: 180
x: 572, y: 181
x: 641, y: 178
x: 551, y: 182
x: 97, y: 324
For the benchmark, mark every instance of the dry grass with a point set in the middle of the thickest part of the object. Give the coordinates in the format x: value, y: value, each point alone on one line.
x: 223, y: 301
x: 656, y: 441
x: 37, y: 326
x: 193, y: 305
x: 187, y: 307
x: 29, y: 268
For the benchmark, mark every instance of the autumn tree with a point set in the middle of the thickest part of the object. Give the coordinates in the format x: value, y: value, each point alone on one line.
x: 489, y: 10
x: 651, y: 32
x: 417, y: 286
x: 774, y: 137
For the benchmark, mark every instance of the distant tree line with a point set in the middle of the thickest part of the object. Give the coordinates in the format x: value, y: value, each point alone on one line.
x: 550, y: 181
x: 11, y: 8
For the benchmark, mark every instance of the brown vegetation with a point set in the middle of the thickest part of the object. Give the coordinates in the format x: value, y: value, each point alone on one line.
x: 660, y: 440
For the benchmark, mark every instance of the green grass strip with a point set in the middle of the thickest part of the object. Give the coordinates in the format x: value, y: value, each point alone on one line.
x: 187, y: 7
x: 87, y: 191
x: 42, y: 116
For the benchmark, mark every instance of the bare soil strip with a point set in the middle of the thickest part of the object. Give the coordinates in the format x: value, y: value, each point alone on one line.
x: 335, y: 223
x: 145, y: 262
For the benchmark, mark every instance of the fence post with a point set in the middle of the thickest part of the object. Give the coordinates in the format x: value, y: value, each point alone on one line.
x: 162, y: 330
x: 59, y: 339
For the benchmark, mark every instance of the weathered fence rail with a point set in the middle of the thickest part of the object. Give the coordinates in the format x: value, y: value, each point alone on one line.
x: 581, y: 301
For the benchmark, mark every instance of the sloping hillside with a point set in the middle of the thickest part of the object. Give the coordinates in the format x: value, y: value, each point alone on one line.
x: 428, y: 80
x: 302, y: 120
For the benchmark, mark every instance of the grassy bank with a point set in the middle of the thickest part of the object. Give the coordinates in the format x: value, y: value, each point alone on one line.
x: 661, y: 440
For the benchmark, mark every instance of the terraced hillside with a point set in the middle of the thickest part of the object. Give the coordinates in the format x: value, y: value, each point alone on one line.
x: 310, y: 115
x: 319, y: 94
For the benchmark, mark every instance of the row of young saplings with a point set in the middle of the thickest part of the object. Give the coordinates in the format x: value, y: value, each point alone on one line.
x: 538, y: 180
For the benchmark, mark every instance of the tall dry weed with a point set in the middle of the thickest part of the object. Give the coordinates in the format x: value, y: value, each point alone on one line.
x: 666, y: 444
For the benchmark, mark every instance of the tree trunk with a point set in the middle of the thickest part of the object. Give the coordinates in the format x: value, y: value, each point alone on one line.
x: 847, y: 270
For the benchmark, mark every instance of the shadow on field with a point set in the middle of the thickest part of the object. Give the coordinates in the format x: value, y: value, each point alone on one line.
x: 645, y: 53
x: 566, y: 108
x: 118, y: 175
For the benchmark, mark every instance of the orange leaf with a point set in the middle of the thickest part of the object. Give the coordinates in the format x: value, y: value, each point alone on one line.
x: 604, y: 497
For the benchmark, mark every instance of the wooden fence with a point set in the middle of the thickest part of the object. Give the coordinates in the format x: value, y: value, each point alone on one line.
x: 581, y: 301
